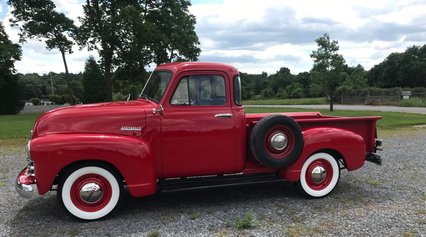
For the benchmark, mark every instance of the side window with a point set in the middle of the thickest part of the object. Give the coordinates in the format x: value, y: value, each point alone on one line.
x: 181, y: 95
x: 200, y: 90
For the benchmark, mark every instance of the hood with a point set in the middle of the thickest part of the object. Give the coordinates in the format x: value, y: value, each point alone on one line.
x: 124, y: 118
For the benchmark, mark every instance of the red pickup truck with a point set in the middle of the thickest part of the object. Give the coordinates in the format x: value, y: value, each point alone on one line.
x: 187, y: 130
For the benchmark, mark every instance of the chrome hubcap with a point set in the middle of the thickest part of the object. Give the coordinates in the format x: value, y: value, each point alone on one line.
x: 279, y: 141
x: 319, y: 174
x: 91, y: 192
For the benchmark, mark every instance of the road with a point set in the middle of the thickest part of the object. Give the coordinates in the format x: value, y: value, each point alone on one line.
x: 416, y: 110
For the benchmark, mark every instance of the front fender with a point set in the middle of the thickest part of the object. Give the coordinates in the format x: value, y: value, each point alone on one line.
x: 131, y: 156
x: 350, y: 145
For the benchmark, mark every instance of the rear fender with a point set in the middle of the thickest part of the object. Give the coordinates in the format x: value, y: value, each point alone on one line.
x: 349, y: 145
x: 130, y: 156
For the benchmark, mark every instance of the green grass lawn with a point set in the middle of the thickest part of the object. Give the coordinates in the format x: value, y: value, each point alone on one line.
x: 17, y: 126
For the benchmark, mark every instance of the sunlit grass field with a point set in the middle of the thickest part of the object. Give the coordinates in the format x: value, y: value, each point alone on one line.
x: 15, y: 129
x: 17, y: 126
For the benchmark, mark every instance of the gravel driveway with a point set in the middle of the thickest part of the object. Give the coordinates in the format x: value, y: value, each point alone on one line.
x: 387, y: 200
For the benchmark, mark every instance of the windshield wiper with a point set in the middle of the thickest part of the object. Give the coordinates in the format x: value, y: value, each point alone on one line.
x: 148, y: 98
x: 144, y: 96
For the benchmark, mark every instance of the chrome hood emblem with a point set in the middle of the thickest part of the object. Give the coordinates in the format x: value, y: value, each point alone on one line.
x: 131, y: 128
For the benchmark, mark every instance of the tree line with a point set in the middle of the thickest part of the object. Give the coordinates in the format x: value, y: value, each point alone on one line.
x: 330, y: 75
x: 127, y: 34
x: 131, y: 34
x: 280, y: 85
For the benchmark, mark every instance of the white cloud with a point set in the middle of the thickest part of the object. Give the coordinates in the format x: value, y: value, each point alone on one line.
x: 35, y: 56
x: 33, y: 61
x: 266, y: 35
x: 71, y: 8
x: 403, y: 15
x: 273, y: 33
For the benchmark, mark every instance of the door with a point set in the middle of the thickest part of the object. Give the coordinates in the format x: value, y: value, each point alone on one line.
x: 198, y: 129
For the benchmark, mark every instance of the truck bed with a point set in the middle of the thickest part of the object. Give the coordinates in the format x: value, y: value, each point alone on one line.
x: 364, y: 126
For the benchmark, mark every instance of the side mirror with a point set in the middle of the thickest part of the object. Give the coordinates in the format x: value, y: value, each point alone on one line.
x: 160, y: 110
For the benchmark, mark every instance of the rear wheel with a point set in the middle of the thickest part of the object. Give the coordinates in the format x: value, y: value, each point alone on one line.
x: 90, y: 192
x: 319, y: 175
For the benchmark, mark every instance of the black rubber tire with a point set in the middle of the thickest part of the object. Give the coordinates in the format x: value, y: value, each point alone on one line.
x: 262, y: 130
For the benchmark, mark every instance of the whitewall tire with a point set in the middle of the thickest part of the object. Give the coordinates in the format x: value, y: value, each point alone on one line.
x: 319, y: 175
x: 90, y: 192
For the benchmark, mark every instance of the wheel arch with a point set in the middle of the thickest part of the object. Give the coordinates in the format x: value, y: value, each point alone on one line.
x: 345, y: 146
x: 334, y: 153
x: 129, y: 156
x: 91, y: 162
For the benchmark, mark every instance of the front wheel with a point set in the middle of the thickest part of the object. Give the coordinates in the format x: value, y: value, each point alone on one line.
x: 319, y: 175
x: 90, y: 192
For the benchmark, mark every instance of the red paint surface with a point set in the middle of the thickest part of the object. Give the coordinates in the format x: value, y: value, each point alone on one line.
x: 182, y: 140
x: 329, y: 170
x: 95, y: 206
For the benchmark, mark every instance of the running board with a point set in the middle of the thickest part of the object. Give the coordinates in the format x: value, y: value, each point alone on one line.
x: 219, y: 181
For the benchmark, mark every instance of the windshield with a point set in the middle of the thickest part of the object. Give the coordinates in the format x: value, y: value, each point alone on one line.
x: 156, y: 85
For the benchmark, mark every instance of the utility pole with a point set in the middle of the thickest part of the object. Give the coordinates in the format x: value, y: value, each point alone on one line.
x: 51, y: 83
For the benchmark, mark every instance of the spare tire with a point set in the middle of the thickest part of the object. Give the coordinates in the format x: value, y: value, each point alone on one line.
x: 276, y: 141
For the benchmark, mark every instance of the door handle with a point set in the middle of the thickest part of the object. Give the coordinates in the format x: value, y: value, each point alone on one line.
x: 223, y: 116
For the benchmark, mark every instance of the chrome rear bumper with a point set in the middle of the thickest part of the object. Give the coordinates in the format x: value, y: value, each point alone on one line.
x: 26, y: 184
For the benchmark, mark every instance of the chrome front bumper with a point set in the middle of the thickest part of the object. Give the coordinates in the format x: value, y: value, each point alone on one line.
x: 26, y: 184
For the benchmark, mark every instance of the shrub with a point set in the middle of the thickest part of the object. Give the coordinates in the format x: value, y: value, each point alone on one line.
x: 35, y: 101
x: 413, y: 102
x: 55, y: 98
x: 10, y: 95
x: 119, y: 97
x: 245, y: 223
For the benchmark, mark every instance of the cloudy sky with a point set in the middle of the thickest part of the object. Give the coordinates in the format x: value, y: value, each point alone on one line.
x: 263, y: 36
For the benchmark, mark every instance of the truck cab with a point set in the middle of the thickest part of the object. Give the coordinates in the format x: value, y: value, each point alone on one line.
x: 198, y: 107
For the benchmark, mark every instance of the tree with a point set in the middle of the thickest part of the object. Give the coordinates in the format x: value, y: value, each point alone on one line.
x: 156, y: 32
x: 100, y: 30
x: 304, y: 78
x: 130, y: 34
x: 10, y: 90
x: 93, y: 82
x: 407, y: 69
x: 40, y: 20
x: 328, y: 66
x: 356, y: 78
x: 175, y: 30
x: 281, y: 79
